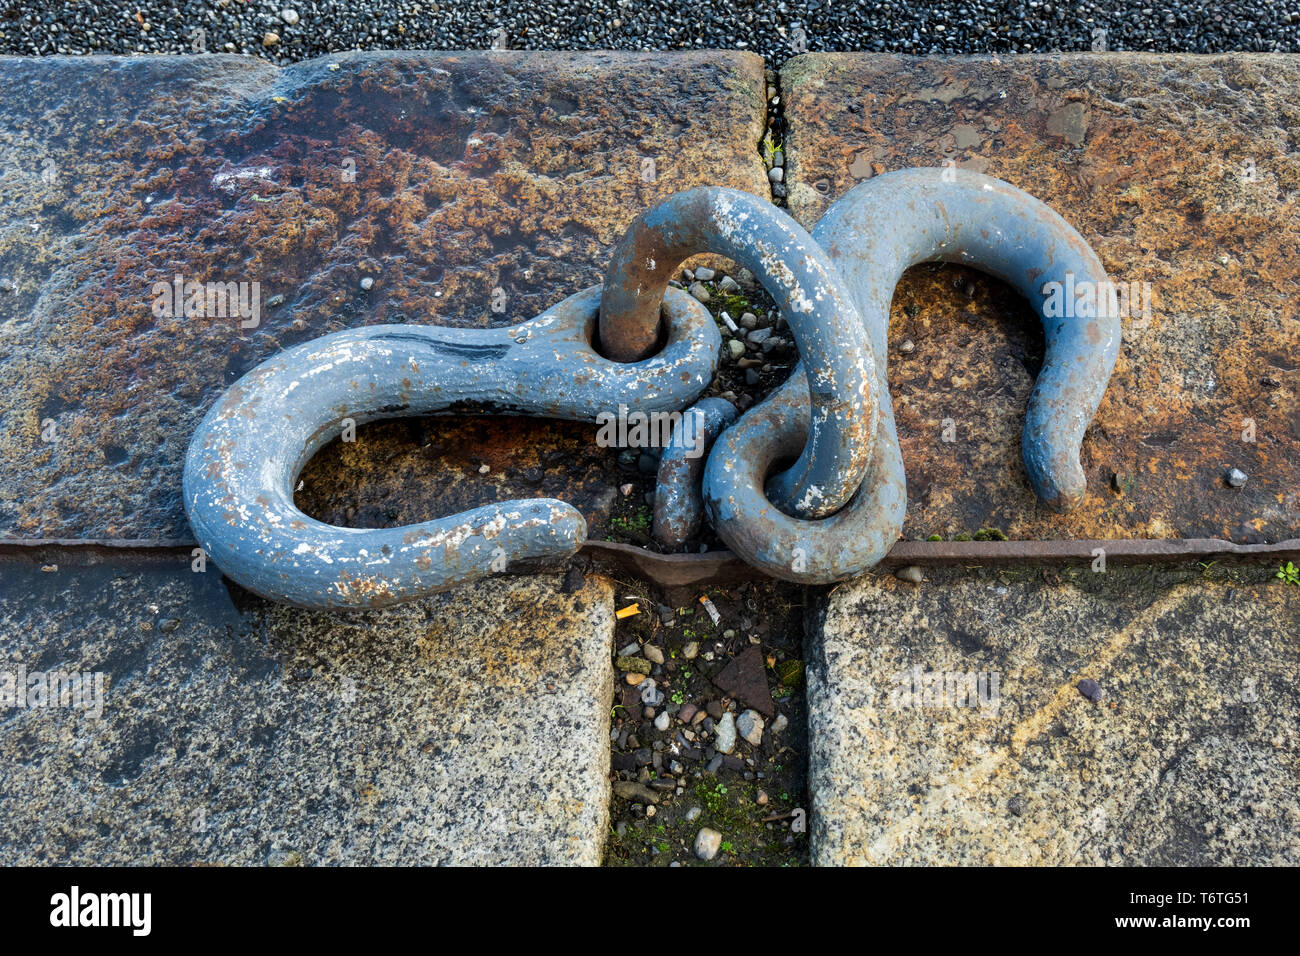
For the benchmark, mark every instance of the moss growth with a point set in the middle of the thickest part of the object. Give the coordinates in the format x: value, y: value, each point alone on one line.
x: 989, y: 534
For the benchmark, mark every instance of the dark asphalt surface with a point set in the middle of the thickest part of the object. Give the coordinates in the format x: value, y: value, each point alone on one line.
x: 287, y: 30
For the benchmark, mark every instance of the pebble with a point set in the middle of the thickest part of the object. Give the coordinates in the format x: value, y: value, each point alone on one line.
x: 697, y: 289
x: 692, y: 814
x: 1236, y: 478
x: 685, y: 714
x: 736, y: 348
x: 289, y: 16
x: 749, y: 321
x: 661, y: 722
x: 910, y: 573
x: 271, y: 38
x: 484, y: 469
x: 636, y: 792
x: 729, y: 285
x: 780, y: 723
x: 761, y: 799
x: 750, y: 726
x: 907, y: 346
x: 367, y: 283
x: 756, y: 336
x: 653, y: 654
x: 707, y: 843
x: 776, y: 174
x: 726, y: 741
x: 1090, y: 689
x: 705, y: 275
x: 691, y: 650
x: 634, y: 679
x: 651, y: 695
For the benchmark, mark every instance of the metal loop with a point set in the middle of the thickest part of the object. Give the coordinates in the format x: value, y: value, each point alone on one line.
x: 874, y: 233
x: 679, y: 510
x: 246, y: 455
x: 838, y: 359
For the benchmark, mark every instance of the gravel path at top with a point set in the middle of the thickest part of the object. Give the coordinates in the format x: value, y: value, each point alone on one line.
x: 288, y: 30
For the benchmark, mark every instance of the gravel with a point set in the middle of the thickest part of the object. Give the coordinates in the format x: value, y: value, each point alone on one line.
x: 776, y: 30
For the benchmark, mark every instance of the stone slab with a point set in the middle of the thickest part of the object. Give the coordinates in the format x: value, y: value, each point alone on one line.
x: 1190, y: 757
x: 475, y: 189
x: 465, y: 729
x: 1181, y: 171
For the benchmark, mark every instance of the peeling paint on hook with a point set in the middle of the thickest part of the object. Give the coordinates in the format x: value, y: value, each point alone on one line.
x: 245, y: 457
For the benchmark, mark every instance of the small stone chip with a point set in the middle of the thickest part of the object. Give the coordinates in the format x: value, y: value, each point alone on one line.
x: 1090, y: 689
x: 707, y: 843
x: 1236, y: 478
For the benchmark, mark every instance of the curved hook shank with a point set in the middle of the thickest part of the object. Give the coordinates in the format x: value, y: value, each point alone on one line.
x: 245, y: 458
x: 883, y: 227
x: 874, y: 233
x: 838, y: 361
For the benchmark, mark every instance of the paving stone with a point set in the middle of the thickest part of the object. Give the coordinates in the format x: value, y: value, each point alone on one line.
x: 1181, y: 171
x: 465, y: 729
x: 474, y: 189
x: 1189, y: 757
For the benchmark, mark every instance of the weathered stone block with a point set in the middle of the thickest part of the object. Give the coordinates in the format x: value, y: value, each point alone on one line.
x: 1182, y: 172
x: 468, y: 189
x: 1189, y: 757
x: 467, y: 729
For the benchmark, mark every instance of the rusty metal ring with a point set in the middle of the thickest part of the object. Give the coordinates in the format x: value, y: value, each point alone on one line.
x: 838, y: 361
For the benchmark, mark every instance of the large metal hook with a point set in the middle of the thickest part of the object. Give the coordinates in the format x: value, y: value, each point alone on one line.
x: 874, y: 233
x: 245, y: 457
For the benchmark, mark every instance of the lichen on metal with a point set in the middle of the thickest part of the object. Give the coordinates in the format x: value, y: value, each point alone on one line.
x: 836, y: 512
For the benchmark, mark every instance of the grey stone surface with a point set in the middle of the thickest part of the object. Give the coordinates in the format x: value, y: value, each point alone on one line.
x: 1191, y: 755
x: 470, y: 728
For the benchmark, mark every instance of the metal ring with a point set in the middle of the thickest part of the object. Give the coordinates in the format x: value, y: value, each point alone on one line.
x: 838, y: 361
x: 678, y: 508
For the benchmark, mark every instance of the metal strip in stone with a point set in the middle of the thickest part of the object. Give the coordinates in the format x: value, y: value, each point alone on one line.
x: 1181, y: 172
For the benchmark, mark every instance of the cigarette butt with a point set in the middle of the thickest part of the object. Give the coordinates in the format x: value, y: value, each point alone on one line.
x: 629, y: 611
x: 708, y: 606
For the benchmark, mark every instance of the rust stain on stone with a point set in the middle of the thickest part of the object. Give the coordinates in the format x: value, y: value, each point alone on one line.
x: 1184, y: 177
x: 443, y: 178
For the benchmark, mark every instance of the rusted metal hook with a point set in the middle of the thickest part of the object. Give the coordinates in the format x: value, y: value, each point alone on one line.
x: 245, y: 457
x: 838, y: 361
x: 874, y: 233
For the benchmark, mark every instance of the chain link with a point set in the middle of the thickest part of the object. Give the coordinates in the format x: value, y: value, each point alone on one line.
x: 834, y: 513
